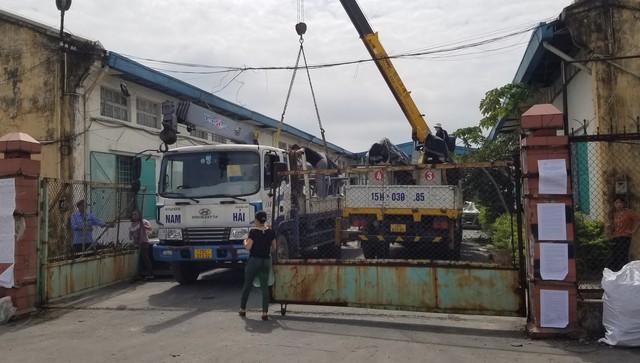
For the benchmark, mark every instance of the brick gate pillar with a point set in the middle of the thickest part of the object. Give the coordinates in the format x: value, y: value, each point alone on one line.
x: 19, y: 179
x: 548, y: 209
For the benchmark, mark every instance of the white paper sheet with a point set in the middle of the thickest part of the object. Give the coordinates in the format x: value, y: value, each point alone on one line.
x: 7, y: 230
x: 6, y: 277
x: 7, y: 196
x: 554, y: 309
x: 552, y: 176
x: 554, y: 261
x: 552, y: 222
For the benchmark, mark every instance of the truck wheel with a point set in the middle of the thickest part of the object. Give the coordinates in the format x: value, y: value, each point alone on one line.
x: 282, y: 248
x: 383, y: 250
x: 377, y: 249
x: 184, y: 273
x: 330, y: 250
x: 454, y: 254
x: 368, y: 250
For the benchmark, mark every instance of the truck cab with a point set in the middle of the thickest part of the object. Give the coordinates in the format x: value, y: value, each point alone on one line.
x: 206, y: 203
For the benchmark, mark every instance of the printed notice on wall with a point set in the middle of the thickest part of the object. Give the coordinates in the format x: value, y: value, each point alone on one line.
x: 553, y: 176
x: 7, y: 231
x: 552, y: 222
x: 554, y: 264
x: 554, y: 309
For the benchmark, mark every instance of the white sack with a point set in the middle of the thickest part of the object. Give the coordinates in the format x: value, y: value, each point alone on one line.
x: 621, y: 305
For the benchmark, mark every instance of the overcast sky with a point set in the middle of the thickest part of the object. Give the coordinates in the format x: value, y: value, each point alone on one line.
x: 356, y: 108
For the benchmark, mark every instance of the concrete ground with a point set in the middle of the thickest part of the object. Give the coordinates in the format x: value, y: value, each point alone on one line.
x: 161, y: 321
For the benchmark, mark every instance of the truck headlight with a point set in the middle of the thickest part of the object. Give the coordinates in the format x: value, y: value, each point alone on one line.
x: 170, y: 234
x: 239, y: 233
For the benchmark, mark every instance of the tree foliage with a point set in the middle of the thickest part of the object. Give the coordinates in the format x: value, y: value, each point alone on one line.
x: 492, y: 188
x: 503, y: 101
x: 470, y: 136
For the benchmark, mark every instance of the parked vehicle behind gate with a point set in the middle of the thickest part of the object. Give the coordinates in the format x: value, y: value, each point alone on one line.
x: 208, y: 196
x: 405, y: 201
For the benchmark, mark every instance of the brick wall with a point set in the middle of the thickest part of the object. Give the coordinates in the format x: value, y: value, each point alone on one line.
x: 17, y: 164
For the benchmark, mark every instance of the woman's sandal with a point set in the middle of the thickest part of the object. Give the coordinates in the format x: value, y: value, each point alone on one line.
x: 242, y: 313
x: 265, y: 317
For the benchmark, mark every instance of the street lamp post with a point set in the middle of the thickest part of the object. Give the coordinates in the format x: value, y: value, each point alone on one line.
x: 62, y: 5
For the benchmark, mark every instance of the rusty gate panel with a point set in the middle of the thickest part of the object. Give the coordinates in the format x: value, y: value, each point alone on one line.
x: 461, y: 288
x: 67, y: 278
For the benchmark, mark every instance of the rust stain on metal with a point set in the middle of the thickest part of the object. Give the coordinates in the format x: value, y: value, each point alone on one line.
x: 400, y: 285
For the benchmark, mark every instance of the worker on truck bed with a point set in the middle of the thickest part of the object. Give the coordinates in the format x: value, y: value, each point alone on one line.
x: 318, y: 161
x: 441, y: 133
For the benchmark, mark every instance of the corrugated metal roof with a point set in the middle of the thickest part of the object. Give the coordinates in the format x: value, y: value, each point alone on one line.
x: 539, y: 67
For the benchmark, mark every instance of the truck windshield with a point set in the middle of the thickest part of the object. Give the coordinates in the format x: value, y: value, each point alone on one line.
x: 210, y: 173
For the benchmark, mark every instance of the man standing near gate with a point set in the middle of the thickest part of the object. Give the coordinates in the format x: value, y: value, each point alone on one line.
x: 82, y: 224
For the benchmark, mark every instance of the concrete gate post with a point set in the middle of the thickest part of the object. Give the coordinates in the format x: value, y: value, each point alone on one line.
x: 19, y: 176
x: 548, y: 209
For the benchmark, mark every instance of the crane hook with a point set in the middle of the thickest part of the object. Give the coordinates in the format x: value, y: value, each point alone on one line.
x: 301, y: 28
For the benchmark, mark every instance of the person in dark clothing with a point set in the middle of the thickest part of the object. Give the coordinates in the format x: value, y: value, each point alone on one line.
x: 318, y: 161
x: 441, y: 133
x: 261, y: 242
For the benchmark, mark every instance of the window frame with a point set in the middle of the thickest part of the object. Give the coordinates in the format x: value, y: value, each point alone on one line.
x: 111, y: 99
x: 145, y: 113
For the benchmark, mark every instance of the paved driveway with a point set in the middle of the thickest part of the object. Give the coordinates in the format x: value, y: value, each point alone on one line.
x: 161, y: 321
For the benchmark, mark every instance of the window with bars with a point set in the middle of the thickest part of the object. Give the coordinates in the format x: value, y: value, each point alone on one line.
x: 147, y: 113
x: 124, y: 175
x: 120, y: 169
x: 113, y: 104
x: 124, y: 169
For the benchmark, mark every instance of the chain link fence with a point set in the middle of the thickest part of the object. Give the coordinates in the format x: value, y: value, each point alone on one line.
x: 604, y: 168
x: 103, y: 228
x: 441, y: 212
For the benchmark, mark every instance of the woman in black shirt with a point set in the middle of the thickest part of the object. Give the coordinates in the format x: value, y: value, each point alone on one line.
x: 261, y: 242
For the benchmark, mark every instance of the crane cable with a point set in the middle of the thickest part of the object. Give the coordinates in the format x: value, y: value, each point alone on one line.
x: 293, y: 77
x: 315, y: 104
x: 301, y: 28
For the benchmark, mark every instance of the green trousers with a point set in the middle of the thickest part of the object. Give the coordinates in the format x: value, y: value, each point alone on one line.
x: 256, y: 266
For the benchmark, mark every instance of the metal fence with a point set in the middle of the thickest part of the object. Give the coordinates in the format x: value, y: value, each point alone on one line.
x: 452, y: 212
x: 103, y: 228
x: 604, y: 167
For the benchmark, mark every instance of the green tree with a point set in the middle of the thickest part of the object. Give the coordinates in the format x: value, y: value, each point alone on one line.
x: 492, y: 188
x: 470, y: 136
x: 502, y: 102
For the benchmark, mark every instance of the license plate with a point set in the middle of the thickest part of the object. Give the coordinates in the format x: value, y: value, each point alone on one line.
x: 398, y: 228
x: 203, y: 253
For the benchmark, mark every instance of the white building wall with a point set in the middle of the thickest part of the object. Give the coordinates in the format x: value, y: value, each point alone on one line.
x: 580, y: 103
x: 97, y: 133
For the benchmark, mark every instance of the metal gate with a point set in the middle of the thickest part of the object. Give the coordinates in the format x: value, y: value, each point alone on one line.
x: 416, y: 266
x: 107, y: 256
x: 603, y: 167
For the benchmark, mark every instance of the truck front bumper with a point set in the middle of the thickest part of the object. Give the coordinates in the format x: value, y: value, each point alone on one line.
x: 206, y: 253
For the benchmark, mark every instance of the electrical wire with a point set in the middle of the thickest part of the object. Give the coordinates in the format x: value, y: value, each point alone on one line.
x: 443, y: 51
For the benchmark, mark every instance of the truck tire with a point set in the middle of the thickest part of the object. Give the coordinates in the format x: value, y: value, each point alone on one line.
x: 454, y: 255
x: 282, y: 248
x: 184, y: 273
x: 375, y: 249
x: 330, y: 250
x: 368, y: 250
